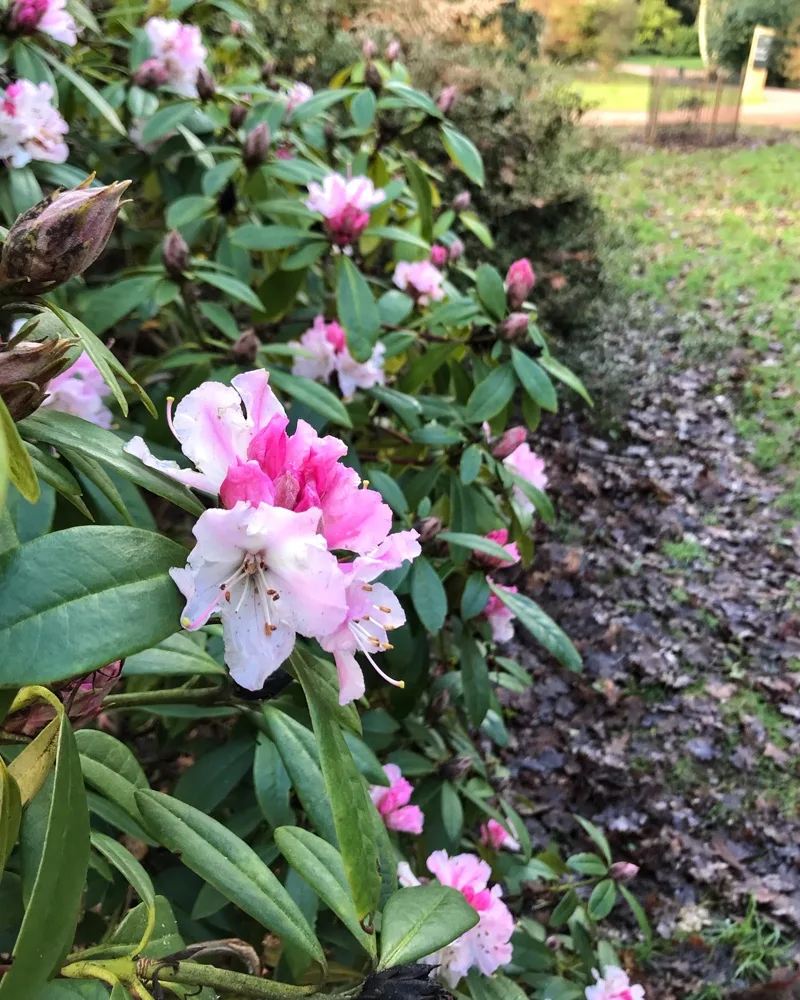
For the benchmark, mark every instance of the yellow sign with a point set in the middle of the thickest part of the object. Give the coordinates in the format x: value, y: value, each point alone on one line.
x: 755, y: 77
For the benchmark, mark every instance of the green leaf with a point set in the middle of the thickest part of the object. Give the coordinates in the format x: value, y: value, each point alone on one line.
x: 477, y: 543
x: 110, y: 767
x: 56, y: 474
x: 638, y: 911
x: 464, y: 153
x: 421, y: 919
x: 29, y: 65
x: 470, y: 465
x: 475, y: 596
x: 272, y: 784
x: 177, y: 655
x: 587, y: 864
x: 51, y: 916
x: 82, y: 84
x: 18, y: 461
x: 477, y: 228
x: 475, y: 679
x: 95, y: 594
x: 107, y: 306
x: 397, y: 235
x: 494, y: 987
x: 227, y: 863
x: 210, y: 780
x: 134, y: 874
x: 366, y: 761
x: 94, y: 474
x: 31, y: 767
x: 10, y: 814
x: 491, y: 290
x: 566, y: 907
x: 413, y: 98
x: 215, y: 179
x: 602, y: 899
x: 24, y: 189
x: 4, y: 467
x: 534, y: 380
x: 166, y: 120
x: 563, y: 374
x: 421, y: 188
x: 541, y: 626
x: 389, y: 490
x: 321, y: 101
x: 597, y: 836
x: 260, y: 238
x: 166, y: 938
x: 322, y: 867
x: 452, y: 813
x: 62, y: 430
x: 357, y: 310
x: 362, y: 109
x: 490, y: 396
x: 313, y: 395
x: 232, y: 286
x: 351, y: 806
x: 428, y: 595
x: 185, y: 210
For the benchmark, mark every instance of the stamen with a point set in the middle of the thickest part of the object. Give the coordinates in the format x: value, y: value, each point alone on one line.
x: 225, y: 586
x: 367, y: 587
x: 384, y: 609
x: 385, y: 676
x: 170, y: 401
x: 365, y: 483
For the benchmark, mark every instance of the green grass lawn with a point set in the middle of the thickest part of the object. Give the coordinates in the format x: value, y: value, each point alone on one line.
x: 675, y: 62
x: 717, y: 232
x: 627, y: 92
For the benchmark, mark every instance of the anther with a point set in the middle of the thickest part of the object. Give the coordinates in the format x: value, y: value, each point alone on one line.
x: 384, y: 609
x: 367, y: 587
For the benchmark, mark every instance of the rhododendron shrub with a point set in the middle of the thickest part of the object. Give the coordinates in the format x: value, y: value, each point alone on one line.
x: 269, y: 471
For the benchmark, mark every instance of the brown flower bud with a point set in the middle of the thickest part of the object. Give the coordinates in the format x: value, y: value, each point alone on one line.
x: 462, y: 201
x: 514, y: 327
x: 372, y: 78
x: 25, y: 372
x: 268, y: 71
x: 206, y: 87
x: 237, y: 115
x: 454, y: 768
x: 245, y: 348
x: 508, y: 442
x: 151, y: 75
x: 623, y: 871
x: 256, y: 146
x: 82, y: 697
x: 175, y: 254
x: 428, y: 528
x: 60, y: 237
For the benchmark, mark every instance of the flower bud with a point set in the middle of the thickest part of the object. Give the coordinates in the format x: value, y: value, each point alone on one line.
x: 237, y: 115
x: 268, y: 71
x: 226, y: 200
x: 151, y: 75
x: 623, y: 871
x: 25, y: 15
x: 456, y: 250
x: 462, y: 201
x: 454, y: 768
x: 175, y: 254
x: 82, y: 698
x: 508, y: 442
x: 403, y: 982
x: 26, y: 369
x: 256, y: 146
x: 246, y: 346
x: 514, y: 327
x: 206, y: 87
x: 440, y: 704
x: 60, y: 237
x: 439, y: 255
x: 368, y: 48
x: 372, y: 78
x: 447, y: 98
x: 519, y: 282
x: 393, y: 51
x: 428, y: 528
x: 236, y: 29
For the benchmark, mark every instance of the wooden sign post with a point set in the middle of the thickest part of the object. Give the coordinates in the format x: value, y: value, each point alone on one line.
x: 755, y: 77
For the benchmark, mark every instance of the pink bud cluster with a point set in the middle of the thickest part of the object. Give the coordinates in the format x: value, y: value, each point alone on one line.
x: 344, y: 203
x: 421, y: 279
x: 50, y: 17
x: 326, y: 352
x: 267, y: 561
x: 82, y: 698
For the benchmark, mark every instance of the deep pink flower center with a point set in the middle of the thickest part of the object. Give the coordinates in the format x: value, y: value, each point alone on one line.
x: 335, y: 336
x: 478, y: 900
x: 28, y: 14
x: 347, y: 225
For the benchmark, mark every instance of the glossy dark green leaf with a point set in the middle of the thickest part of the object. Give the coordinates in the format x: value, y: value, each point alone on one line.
x: 397, y: 235
x: 421, y: 188
x: 565, y: 908
x: 389, y: 489
x: 413, y: 98
x: 320, y: 102
x: 464, y: 153
x: 475, y: 680
x: 81, y: 83
x: 317, y: 397
x: 176, y: 656
x: 470, y: 465
x: 210, y: 780
x: 272, y: 784
x: 419, y: 920
x: 477, y: 543
x: 597, y: 836
x: 565, y: 375
x: 96, y: 594
x: 475, y: 596
x: 357, y: 310
x: 116, y: 300
x: 362, y: 109
x: 602, y: 899
x: 494, y: 987
x: 232, y: 286
x: 166, y: 938
x: 491, y: 290
x: 133, y: 872
x: 535, y: 380
x: 110, y: 767
x: 428, y: 595
x: 638, y: 911
x: 587, y: 864
x: 478, y: 228
x: 261, y: 238
x: 166, y: 120
x: 490, y: 396
x: 541, y: 626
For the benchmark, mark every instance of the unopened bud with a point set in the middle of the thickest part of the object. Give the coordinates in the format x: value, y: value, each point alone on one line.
x: 508, y: 442
x: 623, y: 871
x: 237, y: 115
x: 553, y: 943
x: 454, y: 768
x: 462, y: 201
x: 256, y: 146
x: 439, y: 255
x: 372, y: 78
x: 246, y: 346
x: 60, y: 237
x: 514, y: 327
x: 447, y: 98
x: 268, y: 71
x: 82, y: 698
x: 456, y: 250
x: 206, y: 88
x: 330, y: 133
x: 428, y: 528
x: 236, y: 29
x: 151, y: 75
x: 519, y: 282
x: 393, y: 51
x: 368, y: 48
x: 175, y: 254
x: 226, y: 201
x: 25, y: 371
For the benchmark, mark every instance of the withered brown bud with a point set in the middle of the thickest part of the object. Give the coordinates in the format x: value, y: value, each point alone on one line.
x: 60, y: 237
x: 245, y: 348
x: 514, y: 327
x: 237, y: 115
x: 372, y: 78
x: 206, y: 87
x: 175, y: 254
x: 256, y: 146
x: 25, y: 371
x: 403, y: 982
x: 440, y: 703
x: 454, y: 768
x: 268, y: 71
x: 428, y: 528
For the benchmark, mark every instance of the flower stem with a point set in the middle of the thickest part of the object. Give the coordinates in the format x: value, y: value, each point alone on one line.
x: 221, y: 980
x: 171, y: 696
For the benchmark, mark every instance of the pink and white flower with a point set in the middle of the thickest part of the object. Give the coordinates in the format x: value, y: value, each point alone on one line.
x: 80, y: 390
x: 179, y: 51
x: 51, y: 17
x: 527, y: 465
x: 372, y: 612
x: 392, y: 802
x: 30, y: 127
x: 500, y: 617
x: 421, y: 280
x: 500, y: 537
x: 344, y: 204
x: 613, y: 985
x: 487, y: 945
x: 495, y: 835
x: 267, y: 572
x: 296, y: 95
x: 327, y: 345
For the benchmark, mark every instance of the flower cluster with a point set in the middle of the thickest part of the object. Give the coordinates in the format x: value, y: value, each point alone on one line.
x: 392, y: 802
x: 421, y: 279
x: 265, y: 561
x: 80, y: 390
x: 50, y: 17
x: 30, y: 127
x: 296, y: 95
x: 344, y: 204
x: 327, y: 347
x: 487, y: 945
x: 613, y: 985
x: 177, y: 56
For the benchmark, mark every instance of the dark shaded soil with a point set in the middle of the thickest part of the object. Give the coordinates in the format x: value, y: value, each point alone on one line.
x: 676, y: 574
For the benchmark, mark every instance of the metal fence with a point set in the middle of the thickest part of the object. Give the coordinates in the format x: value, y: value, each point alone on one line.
x: 692, y: 109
